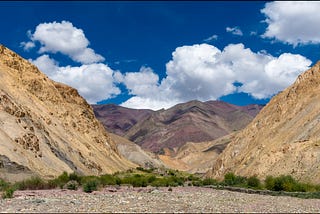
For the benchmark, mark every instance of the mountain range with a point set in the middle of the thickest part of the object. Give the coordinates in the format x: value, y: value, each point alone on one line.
x: 193, y: 121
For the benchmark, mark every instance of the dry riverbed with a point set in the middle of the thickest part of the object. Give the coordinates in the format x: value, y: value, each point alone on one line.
x: 149, y: 199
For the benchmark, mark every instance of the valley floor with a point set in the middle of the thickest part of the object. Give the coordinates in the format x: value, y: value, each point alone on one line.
x: 150, y: 199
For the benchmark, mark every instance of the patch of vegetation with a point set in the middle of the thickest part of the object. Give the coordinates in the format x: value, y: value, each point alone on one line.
x: 254, y: 182
x: 106, y: 180
x: 8, y: 193
x: 34, y: 183
x: 230, y: 179
x: 90, y: 186
x: 145, y: 170
x: 286, y: 183
x: 210, y: 181
x: 3, y: 185
x: 71, y: 185
x: 141, y: 177
x: 7, y: 189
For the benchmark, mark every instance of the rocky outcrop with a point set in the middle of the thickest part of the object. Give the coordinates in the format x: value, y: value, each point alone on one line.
x: 284, y: 138
x: 47, y: 127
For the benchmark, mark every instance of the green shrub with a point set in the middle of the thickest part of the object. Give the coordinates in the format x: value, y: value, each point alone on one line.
x: 269, y: 183
x: 62, y: 179
x: 136, y: 180
x: 233, y: 180
x: 209, y: 181
x: 71, y: 185
x: 118, y: 181
x: 8, y: 193
x: 3, y: 185
x: 159, y: 182
x: 229, y: 178
x: 178, y: 181
x: 198, y: 183
x: 253, y: 182
x: 90, y: 186
x: 33, y: 183
x: 86, y: 179
x: 192, y: 177
x: 285, y: 183
x: 107, y: 179
x: 156, y: 183
x: 151, y: 179
x: 74, y: 177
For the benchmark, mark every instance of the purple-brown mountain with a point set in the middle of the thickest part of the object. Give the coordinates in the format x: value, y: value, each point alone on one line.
x: 119, y: 120
x: 193, y: 121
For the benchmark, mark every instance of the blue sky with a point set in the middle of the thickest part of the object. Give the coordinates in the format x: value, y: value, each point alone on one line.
x: 159, y: 53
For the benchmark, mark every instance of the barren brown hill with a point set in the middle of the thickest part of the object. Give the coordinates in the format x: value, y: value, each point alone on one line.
x: 284, y: 138
x: 118, y: 119
x: 193, y: 121
x: 47, y: 128
x: 196, y: 157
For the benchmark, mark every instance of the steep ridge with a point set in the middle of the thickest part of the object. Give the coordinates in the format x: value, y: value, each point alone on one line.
x: 47, y: 127
x: 284, y: 138
x: 193, y: 121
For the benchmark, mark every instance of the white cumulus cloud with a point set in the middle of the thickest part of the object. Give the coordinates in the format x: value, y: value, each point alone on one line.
x: 204, y: 72
x: 293, y: 22
x: 63, y: 37
x: 144, y: 82
x: 95, y: 82
x: 144, y: 85
x: 27, y: 45
x: 234, y: 30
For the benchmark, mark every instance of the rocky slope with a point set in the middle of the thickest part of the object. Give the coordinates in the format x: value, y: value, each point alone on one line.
x: 135, y: 154
x: 196, y: 157
x: 47, y: 128
x: 193, y: 121
x: 284, y: 138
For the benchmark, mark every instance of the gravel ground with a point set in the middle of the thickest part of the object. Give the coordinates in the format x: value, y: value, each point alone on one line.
x: 147, y: 200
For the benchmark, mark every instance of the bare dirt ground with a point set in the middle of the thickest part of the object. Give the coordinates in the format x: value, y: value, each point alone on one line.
x: 150, y: 200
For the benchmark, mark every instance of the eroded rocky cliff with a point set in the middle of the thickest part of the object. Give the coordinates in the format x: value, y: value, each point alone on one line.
x: 47, y: 127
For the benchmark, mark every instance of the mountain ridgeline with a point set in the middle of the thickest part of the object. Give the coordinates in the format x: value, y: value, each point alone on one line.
x: 193, y: 121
